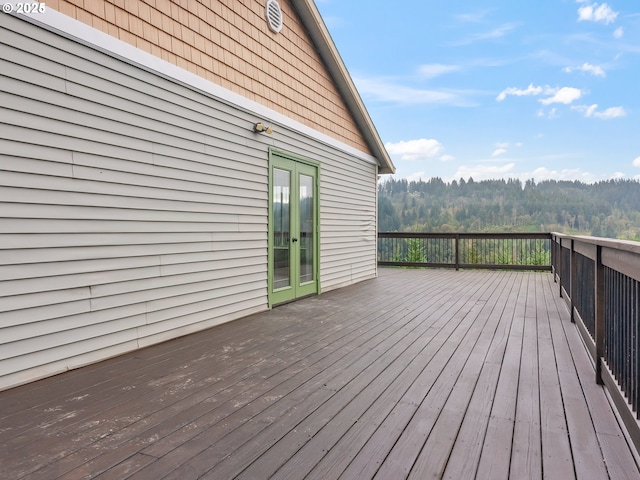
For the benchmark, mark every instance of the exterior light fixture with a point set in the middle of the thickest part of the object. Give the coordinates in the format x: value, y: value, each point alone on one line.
x: 262, y: 128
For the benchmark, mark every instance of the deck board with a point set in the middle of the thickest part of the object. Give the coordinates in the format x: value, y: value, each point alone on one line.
x: 495, y: 456
x: 526, y: 453
x: 415, y: 374
x: 435, y: 452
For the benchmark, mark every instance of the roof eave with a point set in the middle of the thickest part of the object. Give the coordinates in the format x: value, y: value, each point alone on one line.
x: 316, y: 27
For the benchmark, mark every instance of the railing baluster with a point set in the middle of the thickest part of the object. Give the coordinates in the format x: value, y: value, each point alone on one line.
x: 600, y: 326
x: 573, y: 283
x: 560, y: 266
x: 624, y: 323
x: 636, y: 357
x: 627, y: 333
x: 616, y: 325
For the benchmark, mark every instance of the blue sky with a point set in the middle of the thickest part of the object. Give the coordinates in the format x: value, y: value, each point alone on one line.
x: 497, y: 89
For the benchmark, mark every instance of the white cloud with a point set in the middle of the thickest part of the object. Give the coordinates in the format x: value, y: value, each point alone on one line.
x: 499, y: 151
x: 591, y: 111
x: 437, y: 69
x: 544, y: 173
x: 499, y: 32
x: 595, y: 13
x: 447, y: 158
x: 488, y: 171
x: 530, y: 90
x: 416, y: 177
x: 388, y: 90
x: 565, y: 95
x: 612, y: 112
x: 636, y: 162
x: 552, y: 113
x: 618, y: 32
x: 470, y: 17
x: 503, y: 147
x: 485, y: 172
x: 421, y: 149
x: 595, y: 70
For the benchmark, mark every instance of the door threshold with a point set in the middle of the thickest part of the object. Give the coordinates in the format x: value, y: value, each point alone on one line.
x: 294, y: 299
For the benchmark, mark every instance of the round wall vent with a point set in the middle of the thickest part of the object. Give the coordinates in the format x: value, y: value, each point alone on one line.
x: 274, y: 15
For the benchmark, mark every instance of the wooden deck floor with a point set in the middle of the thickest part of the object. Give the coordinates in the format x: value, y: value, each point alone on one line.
x: 416, y: 374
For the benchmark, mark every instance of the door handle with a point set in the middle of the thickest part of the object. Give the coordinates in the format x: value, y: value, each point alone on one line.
x: 294, y: 239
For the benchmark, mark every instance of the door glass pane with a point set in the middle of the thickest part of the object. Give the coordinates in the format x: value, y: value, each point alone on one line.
x: 281, y: 228
x: 306, y: 228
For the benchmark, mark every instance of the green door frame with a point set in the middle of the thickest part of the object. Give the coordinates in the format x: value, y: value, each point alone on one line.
x: 297, y: 166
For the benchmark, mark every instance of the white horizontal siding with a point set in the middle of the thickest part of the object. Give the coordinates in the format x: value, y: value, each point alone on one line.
x: 49, y: 362
x: 15, y: 241
x: 133, y: 209
x: 75, y: 212
x: 28, y: 255
x: 42, y: 299
x: 117, y: 192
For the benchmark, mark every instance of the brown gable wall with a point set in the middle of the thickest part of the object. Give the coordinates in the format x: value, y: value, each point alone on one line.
x: 229, y: 43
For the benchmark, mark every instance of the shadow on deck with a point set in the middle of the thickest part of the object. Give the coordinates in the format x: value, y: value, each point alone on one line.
x: 416, y: 374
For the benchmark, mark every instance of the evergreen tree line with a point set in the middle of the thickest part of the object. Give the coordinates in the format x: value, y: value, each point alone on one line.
x: 605, y: 209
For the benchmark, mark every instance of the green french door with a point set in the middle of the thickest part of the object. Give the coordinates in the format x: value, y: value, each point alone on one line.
x: 293, y: 228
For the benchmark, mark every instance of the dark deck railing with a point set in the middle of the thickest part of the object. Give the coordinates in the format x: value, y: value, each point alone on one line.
x: 600, y: 281
x: 504, y: 251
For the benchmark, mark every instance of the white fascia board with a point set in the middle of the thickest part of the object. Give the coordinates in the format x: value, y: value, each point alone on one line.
x: 75, y: 30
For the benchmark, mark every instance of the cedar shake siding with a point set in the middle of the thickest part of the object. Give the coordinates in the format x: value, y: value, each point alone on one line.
x: 229, y: 43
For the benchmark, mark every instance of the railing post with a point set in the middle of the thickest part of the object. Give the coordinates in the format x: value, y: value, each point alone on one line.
x: 560, y: 263
x: 573, y: 266
x: 554, y: 267
x: 457, y: 251
x: 599, y: 314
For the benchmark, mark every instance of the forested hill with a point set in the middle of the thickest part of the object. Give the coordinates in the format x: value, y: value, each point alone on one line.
x: 604, y: 209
